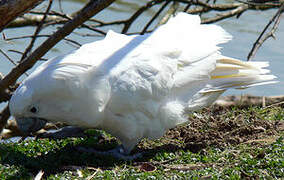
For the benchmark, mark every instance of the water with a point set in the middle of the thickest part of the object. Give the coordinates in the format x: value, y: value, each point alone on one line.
x: 245, y: 31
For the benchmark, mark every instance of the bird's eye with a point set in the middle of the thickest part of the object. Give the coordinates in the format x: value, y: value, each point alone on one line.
x: 33, y: 110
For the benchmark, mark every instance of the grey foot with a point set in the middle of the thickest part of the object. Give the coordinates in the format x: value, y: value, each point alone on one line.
x: 117, y: 153
x: 68, y: 131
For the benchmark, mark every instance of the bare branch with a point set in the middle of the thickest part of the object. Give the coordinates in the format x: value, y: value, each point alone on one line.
x: 231, y: 9
x: 260, y: 3
x: 10, y: 59
x: 40, y: 36
x: 171, y: 11
x: 260, y: 40
x: 38, y: 29
x: 70, y: 17
x: 53, y: 18
x: 21, y: 53
x: 217, y: 7
x: 225, y: 15
x: 187, y: 6
x: 154, y: 17
x: 9, y: 10
x: 92, y: 8
x: 129, y: 22
x: 33, y: 20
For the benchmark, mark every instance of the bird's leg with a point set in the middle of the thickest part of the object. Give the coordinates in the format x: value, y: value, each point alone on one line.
x: 119, y: 153
x: 68, y: 131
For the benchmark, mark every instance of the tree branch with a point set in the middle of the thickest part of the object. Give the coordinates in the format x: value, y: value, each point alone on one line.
x: 225, y: 15
x: 38, y: 29
x: 92, y: 8
x: 33, y: 20
x: 154, y: 17
x: 10, y: 9
x: 129, y: 22
x: 260, y: 40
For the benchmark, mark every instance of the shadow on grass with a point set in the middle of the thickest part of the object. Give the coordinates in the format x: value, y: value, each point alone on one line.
x: 58, y: 160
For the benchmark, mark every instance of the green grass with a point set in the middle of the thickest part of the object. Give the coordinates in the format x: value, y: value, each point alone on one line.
x: 260, y: 156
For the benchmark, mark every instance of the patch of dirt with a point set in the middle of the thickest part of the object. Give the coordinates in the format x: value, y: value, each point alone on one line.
x: 220, y: 127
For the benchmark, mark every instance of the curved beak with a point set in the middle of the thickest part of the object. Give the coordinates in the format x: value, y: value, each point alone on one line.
x: 28, y: 125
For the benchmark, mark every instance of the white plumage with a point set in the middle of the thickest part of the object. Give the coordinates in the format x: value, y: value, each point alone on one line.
x: 135, y: 87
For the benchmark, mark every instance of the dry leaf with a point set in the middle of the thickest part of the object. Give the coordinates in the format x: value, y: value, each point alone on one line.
x: 147, y: 167
x: 39, y: 175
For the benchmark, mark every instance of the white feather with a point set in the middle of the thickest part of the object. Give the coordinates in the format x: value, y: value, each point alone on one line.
x: 137, y: 86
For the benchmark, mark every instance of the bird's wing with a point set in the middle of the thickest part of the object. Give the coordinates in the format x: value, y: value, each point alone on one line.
x: 143, y: 71
x: 153, y: 76
x: 172, y: 62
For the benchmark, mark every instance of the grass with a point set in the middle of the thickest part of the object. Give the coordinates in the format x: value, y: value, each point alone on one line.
x: 219, y: 144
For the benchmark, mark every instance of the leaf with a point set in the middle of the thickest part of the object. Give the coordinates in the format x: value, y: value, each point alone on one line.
x: 147, y: 167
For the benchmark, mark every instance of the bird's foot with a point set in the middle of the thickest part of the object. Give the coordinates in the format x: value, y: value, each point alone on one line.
x: 117, y: 153
x: 68, y: 131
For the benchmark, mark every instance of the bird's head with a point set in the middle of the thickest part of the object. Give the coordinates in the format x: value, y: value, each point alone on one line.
x: 59, y: 93
x: 27, y: 110
x: 35, y: 102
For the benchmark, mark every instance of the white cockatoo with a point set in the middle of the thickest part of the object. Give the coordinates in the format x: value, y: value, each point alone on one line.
x: 136, y: 86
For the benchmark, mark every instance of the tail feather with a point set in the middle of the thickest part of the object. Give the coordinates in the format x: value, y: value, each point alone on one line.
x: 230, y: 73
x: 233, y: 73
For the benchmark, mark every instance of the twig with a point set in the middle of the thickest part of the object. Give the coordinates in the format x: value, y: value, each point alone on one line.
x: 10, y: 59
x: 55, y: 18
x: 60, y: 6
x: 94, y: 29
x: 38, y: 29
x: 187, y: 6
x: 154, y: 17
x: 19, y: 52
x: 129, y: 22
x: 83, y: 25
x: 6, y: 55
x: 33, y: 20
x: 225, y: 15
x: 259, y: 4
x: 87, y: 34
x: 42, y: 35
x: 92, y: 8
x: 171, y: 11
x: 260, y: 40
x: 217, y: 7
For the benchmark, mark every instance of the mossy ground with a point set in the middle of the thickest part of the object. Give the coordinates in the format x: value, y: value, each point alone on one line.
x: 219, y: 143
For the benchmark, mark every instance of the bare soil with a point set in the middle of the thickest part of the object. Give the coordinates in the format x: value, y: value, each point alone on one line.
x: 220, y: 127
